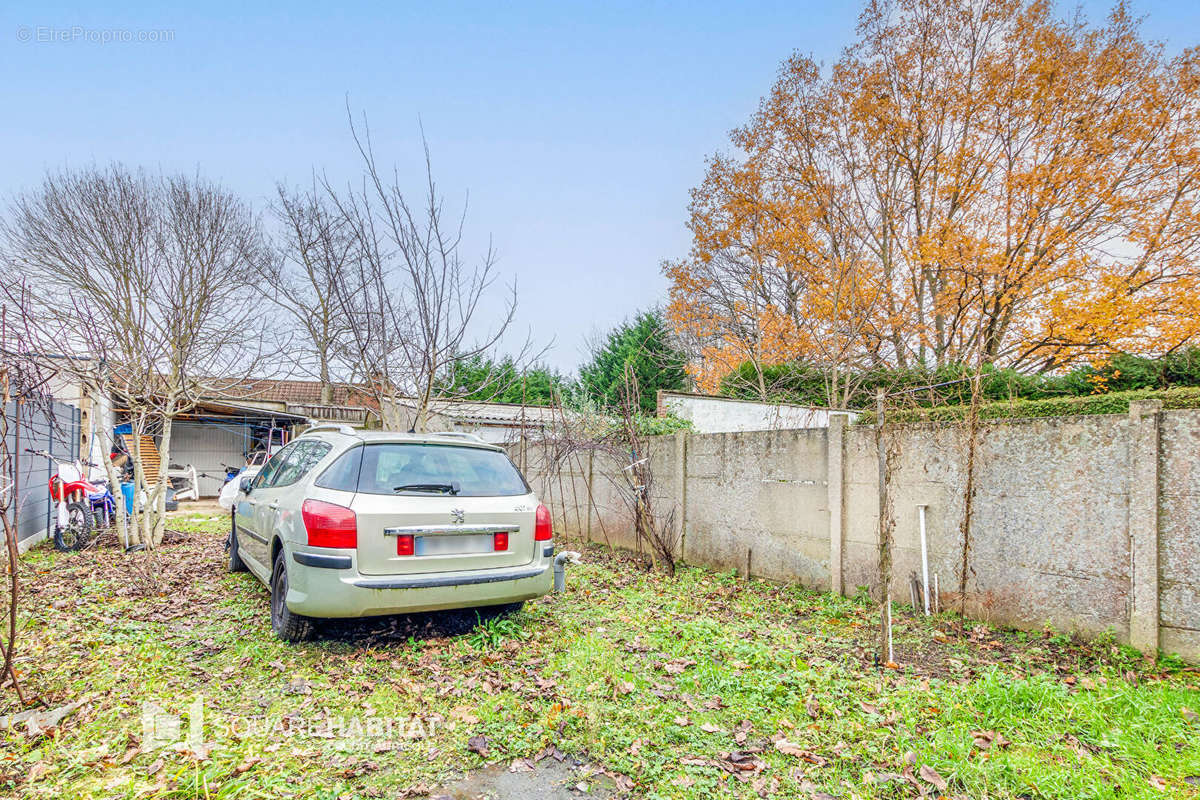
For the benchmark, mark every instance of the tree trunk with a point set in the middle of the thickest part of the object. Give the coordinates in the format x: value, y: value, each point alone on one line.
x: 421, y: 422
x: 137, y: 532
x: 326, y: 384
x: 159, y: 517
x: 885, y: 534
x: 105, y: 432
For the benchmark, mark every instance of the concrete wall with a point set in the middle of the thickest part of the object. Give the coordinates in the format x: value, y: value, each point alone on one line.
x: 724, y: 415
x: 1090, y: 524
x: 1178, y: 545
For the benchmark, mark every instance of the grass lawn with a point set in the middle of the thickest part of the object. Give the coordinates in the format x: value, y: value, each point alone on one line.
x: 701, y: 685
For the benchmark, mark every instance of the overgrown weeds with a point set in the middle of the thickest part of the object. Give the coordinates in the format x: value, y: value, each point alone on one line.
x: 701, y: 685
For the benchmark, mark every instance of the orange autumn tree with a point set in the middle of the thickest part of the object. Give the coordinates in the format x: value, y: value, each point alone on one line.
x: 970, y: 181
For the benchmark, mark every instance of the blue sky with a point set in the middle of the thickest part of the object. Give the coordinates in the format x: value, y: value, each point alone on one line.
x: 577, y: 128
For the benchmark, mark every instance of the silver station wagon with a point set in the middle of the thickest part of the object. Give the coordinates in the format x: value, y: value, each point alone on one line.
x: 346, y: 523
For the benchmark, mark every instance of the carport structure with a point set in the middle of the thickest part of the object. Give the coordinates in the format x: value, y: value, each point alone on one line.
x: 216, y: 433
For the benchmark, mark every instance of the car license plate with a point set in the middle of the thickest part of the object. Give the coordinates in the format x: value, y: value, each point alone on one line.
x: 449, y: 544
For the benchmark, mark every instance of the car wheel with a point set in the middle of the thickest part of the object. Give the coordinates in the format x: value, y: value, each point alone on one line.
x: 235, y: 557
x: 287, y: 626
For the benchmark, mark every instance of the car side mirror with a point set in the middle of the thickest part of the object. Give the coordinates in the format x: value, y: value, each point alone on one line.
x: 245, y: 484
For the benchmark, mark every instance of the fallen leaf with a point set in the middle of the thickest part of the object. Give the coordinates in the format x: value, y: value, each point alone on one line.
x: 246, y: 765
x: 623, y: 782
x: 764, y: 787
x: 677, y: 665
x: 741, y: 763
x: 1158, y: 783
x: 931, y: 776
x: 792, y: 749
x: 155, y: 767
x: 479, y: 744
x: 464, y: 714
x: 882, y: 777
x: 1188, y: 714
x: 984, y: 740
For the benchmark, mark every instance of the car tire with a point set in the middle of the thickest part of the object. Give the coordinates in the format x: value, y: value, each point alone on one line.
x: 287, y: 626
x: 235, y: 557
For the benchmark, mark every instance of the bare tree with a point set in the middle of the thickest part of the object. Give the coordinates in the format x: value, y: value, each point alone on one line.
x: 623, y: 441
x: 141, y: 286
x: 314, y: 264
x: 412, y: 299
x: 21, y: 392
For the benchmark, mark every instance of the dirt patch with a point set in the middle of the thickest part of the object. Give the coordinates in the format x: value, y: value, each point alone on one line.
x: 549, y: 779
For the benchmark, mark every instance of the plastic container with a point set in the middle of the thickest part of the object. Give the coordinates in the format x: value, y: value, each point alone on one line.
x: 127, y: 493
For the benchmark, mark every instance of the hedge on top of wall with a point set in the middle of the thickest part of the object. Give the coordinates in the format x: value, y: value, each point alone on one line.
x: 1110, y: 403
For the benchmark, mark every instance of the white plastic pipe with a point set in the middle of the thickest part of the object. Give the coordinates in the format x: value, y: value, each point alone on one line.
x: 891, y: 654
x: 924, y: 558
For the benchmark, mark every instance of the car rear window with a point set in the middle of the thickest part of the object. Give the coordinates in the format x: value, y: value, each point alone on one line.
x: 425, y: 469
x: 342, y: 474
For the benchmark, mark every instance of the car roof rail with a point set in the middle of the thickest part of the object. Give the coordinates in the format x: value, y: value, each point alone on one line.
x: 330, y: 426
x: 469, y: 437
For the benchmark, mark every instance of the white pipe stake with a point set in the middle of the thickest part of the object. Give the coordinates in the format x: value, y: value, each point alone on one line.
x: 924, y: 558
x: 891, y: 653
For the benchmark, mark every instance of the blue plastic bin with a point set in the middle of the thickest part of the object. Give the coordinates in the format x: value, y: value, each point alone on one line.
x: 127, y: 493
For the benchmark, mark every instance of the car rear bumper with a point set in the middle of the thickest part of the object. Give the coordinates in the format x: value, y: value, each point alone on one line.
x: 329, y: 591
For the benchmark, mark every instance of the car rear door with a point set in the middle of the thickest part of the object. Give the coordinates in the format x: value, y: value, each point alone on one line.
x: 246, y: 520
x: 278, y: 505
x: 487, y: 524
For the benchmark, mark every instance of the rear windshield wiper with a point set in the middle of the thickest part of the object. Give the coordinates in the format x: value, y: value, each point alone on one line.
x: 444, y: 488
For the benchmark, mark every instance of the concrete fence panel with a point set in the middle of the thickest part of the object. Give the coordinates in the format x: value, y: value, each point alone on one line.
x: 1089, y: 524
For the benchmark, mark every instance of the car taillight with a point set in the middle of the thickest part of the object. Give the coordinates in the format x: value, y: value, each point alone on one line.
x: 543, y: 531
x: 329, y: 525
x: 500, y: 541
x: 405, y: 545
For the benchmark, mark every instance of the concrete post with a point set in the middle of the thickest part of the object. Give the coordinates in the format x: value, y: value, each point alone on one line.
x: 681, y: 442
x: 1144, y: 418
x: 834, y: 483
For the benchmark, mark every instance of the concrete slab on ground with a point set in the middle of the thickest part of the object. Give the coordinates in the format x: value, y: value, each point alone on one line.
x: 548, y: 780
